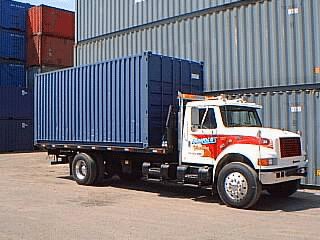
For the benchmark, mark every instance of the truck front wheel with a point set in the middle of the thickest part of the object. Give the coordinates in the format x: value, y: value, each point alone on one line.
x: 238, y: 185
x: 283, y: 190
x: 84, y: 169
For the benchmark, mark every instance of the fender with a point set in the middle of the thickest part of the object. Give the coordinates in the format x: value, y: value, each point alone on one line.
x: 249, y: 151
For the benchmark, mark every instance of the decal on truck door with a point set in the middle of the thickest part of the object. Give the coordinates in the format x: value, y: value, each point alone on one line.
x: 212, y: 146
x: 204, y: 141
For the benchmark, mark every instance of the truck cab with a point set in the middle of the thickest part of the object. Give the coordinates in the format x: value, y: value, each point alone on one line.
x: 227, y: 137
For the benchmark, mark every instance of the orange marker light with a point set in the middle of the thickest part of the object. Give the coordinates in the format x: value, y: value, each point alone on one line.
x: 264, y: 162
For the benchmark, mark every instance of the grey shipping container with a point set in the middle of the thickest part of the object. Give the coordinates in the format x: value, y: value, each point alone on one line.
x: 272, y: 43
x: 99, y: 17
x: 123, y: 102
x: 16, y: 103
x: 16, y: 135
x: 295, y: 111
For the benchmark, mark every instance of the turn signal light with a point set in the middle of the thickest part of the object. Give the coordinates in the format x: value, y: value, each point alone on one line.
x: 264, y: 162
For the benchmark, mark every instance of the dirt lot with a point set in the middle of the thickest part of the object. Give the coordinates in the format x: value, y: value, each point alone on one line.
x: 39, y: 201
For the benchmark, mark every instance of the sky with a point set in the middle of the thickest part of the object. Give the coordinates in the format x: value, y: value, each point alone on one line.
x: 65, y: 4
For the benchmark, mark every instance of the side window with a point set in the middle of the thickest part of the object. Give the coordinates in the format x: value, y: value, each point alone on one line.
x: 209, y: 121
x: 203, y: 118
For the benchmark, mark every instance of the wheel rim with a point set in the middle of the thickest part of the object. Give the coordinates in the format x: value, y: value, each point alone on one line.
x: 236, y: 186
x: 81, y: 169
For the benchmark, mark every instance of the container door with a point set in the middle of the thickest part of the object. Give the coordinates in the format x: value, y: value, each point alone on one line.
x: 200, y: 145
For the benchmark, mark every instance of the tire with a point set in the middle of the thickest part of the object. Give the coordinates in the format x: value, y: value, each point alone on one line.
x: 84, y: 169
x: 234, y: 176
x: 284, y: 190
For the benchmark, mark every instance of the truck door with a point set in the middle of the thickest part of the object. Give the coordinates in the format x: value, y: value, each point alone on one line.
x: 199, y: 145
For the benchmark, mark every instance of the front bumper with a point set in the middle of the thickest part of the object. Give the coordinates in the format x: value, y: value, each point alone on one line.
x: 282, y: 175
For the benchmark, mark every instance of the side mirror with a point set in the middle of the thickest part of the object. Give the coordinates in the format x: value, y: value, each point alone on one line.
x: 195, y: 117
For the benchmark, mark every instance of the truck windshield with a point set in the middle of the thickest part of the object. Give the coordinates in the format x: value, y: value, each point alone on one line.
x: 238, y: 116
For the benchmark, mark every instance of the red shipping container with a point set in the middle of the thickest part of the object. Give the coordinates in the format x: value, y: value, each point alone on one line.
x: 51, y: 21
x: 49, y: 51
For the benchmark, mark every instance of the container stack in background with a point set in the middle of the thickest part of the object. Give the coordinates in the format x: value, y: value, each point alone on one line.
x: 32, y: 40
x: 268, y: 50
x: 50, y: 36
x: 16, y: 100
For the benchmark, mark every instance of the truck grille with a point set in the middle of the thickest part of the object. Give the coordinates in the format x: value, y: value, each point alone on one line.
x: 290, y: 147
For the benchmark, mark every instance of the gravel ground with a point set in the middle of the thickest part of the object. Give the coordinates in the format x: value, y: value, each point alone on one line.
x: 39, y: 201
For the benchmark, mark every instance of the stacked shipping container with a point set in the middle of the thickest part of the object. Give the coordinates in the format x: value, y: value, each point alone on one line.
x: 268, y: 43
x: 51, y: 34
x: 245, y: 44
x: 16, y: 108
x: 12, y: 41
x: 100, y: 17
x: 13, y: 15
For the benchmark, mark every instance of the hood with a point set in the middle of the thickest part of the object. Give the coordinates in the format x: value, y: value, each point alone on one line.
x: 269, y: 133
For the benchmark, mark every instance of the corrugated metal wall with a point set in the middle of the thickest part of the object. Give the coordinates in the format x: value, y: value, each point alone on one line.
x: 96, y: 118
x: 295, y: 111
x: 274, y: 43
x: 99, y: 17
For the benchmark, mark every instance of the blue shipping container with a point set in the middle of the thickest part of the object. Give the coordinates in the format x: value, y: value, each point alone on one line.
x: 12, y: 74
x: 16, y: 103
x: 123, y: 102
x: 16, y: 135
x: 13, y: 15
x: 12, y: 45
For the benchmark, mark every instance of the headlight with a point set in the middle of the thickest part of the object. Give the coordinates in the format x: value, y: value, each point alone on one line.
x: 267, y: 143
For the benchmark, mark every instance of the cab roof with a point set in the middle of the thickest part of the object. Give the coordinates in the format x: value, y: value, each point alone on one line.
x: 224, y: 102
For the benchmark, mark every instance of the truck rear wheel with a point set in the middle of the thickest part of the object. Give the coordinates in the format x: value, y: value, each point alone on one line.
x: 84, y: 169
x: 238, y: 185
x: 283, y: 190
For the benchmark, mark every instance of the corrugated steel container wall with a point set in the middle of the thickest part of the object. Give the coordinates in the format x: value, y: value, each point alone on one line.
x: 84, y: 104
x: 12, y: 74
x: 119, y: 102
x: 295, y: 111
x: 16, y: 135
x: 273, y: 43
x: 16, y: 103
x: 50, y: 51
x: 13, y: 15
x: 99, y: 17
x: 51, y: 21
x: 12, y: 45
